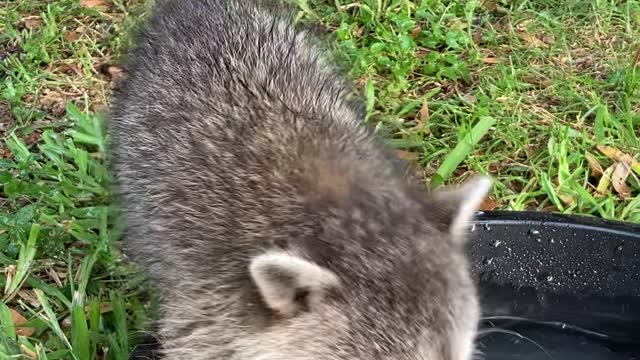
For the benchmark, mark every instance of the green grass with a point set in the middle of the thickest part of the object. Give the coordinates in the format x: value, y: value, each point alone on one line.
x: 540, y: 94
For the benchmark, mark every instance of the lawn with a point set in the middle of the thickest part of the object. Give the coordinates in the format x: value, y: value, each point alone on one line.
x: 540, y: 94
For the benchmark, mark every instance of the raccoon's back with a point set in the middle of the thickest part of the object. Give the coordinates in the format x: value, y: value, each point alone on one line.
x: 224, y: 105
x: 229, y: 57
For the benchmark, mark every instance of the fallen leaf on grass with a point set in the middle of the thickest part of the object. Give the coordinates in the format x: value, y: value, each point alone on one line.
x: 31, y: 22
x: 115, y: 73
x: 53, y: 101
x: 491, y: 60
x: 19, y: 321
x: 71, y: 36
x: 548, y: 39
x: 605, y: 181
x: 488, y: 204
x: 594, y: 165
x: 28, y: 352
x: 5, y: 153
x: 29, y: 297
x: 566, y: 199
x: 416, y: 31
x: 423, y: 114
x: 470, y: 98
x: 406, y: 155
x: 532, y: 40
x: 536, y: 81
x: 32, y: 138
x: 522, y: 26
x: 95, y: 4
x: 617, y: 155
x: 6, y: 117
x: 619, y: 179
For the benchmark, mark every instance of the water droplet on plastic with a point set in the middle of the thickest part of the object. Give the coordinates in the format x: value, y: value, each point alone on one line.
x: 619, y: 248
x: 496, y: 243
x: 538, y: 240
x: 534, y: 232
x: 549, y: 278
x: 473, y: 227
x: 552, y: 241
x: 487, y: 261
x: 487, y: 227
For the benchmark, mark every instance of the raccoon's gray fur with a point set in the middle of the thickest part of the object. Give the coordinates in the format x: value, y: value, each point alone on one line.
x: 276, y: 225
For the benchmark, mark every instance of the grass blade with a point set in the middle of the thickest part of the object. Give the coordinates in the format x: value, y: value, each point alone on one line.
x: 6, y: 322
x: 25, y: 259
x: 461, y: 150
x: 120, y: 323
x: 52, y: 320
x: 79, y: 329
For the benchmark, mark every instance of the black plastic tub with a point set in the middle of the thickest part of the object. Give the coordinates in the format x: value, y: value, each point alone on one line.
x: 552, y: 287
x: 557, y: 287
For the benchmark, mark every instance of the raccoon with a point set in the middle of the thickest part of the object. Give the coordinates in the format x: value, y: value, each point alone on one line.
x: 275, y: 224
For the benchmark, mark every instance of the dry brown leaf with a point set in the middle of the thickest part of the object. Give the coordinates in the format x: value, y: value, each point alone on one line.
x: 95, y: 4
x: 29, y: 297
x: 19, y: 321
x: 70, y: 68
x: 491, y: 5
x: 548, y: 39
x: 53, y: 274
x: 53, y: 101
x: 605, y: 181
x: 566, y: 199
x: 6, y: 117
x: 636, y: 58
x: 522, y: 26
x: 491, y: 60
x: 470, y: 98
x: 617, y: 155
x: 406, y: 155
x: 423, y: 114
x: 594, y: 165
x: 537, y: 81
x: 619, y: 177
x: 5, y: 153
x: 115, y: 73
x: 71, y: 36
x: 28, y: 352
x: 32, y: 138
x: 416, y: 31
x: 488, y: 204
x: 31, y: 22
x: 532, y: 40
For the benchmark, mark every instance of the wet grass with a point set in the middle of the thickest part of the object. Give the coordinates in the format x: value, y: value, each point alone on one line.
x: 540, y: 94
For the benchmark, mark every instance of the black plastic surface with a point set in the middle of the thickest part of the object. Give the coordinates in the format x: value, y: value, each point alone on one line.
x: 557, y: 287
x: 552, y: 287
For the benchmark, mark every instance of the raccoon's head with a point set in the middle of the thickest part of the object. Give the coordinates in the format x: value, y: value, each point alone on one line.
x: 394, y: 289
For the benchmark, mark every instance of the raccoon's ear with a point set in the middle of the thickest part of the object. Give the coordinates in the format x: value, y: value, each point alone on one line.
x: 289, y: 283
x: 456, y: 206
